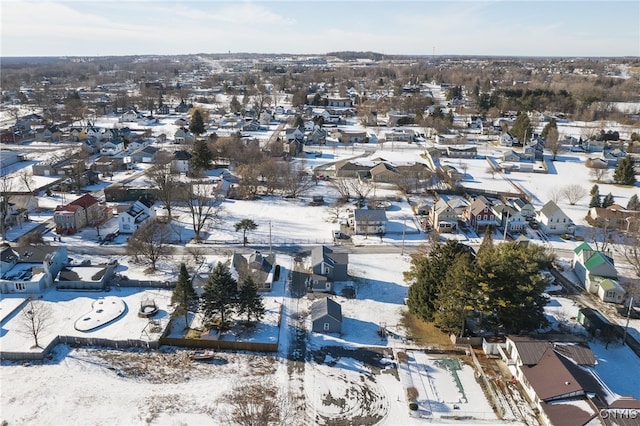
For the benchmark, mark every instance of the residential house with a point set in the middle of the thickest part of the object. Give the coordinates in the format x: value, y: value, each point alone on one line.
x: 266, y: 117
x: 370, y: 222
x: 384, y: 172
x: 108, y: 165
x: 74, y: 216
x: 163, y: 110
x: 480, y: 214
x: 251, y: 126
x: 294, y: 134
x: 130, y: 116
x: 183, y: 107
x: 182, y: 135
x: 592, y: 145
x: 554, y: 221
x: 30, y: 269
x: 556, y: 374
x: 462, y: 151
x: 326, y: 316
x: 339, y: 102
x: 259, y: 267
x: 509, y: 217
x: 140, y: 212
x: 400, y: 135
x: 180, y: 162
x: 446, y: 212
x: 57, y: 166
x: 597, y: 273
x: 112, y: 147
x: 48, y: 134
x: 506, y: 139
x: 615, y: 217
x: 327, y: 266
x: 317, y: 136
x: 350, y: 137
x: 146, y: 154
x: 524, y: 207
x: 353, y: 169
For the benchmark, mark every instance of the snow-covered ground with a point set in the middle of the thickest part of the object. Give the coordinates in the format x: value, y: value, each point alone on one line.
x: 350, y: 375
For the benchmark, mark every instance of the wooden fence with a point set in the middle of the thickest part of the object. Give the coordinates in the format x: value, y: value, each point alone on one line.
x: 220, y: 344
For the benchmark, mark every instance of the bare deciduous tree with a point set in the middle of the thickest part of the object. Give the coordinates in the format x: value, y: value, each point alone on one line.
x: 599, y: 174
x: 552, y: 143
x: 204, y: 208
x: 35, y: 318
x: 26, y: 178
x: 166, y: 185
x: 573, y: 193
x: 343, y: 187
x: 360, y: 188
x: 149, y: 243
x: 296, y: 181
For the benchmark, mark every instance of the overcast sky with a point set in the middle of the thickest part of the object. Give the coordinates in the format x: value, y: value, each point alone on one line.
x: 520, y: 28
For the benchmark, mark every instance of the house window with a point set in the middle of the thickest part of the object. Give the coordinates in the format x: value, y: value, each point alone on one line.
x: 20, y: 286
x: 326, y: 326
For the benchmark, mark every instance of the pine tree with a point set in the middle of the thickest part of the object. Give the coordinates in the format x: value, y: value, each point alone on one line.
x: 634, y: 203
x: 249, y: 301
x: 595, y: 190
x: 457, y: 296
x: 245, y: 225
x: 201, y: 156
x: 595, y: 201
x: 521, y: 128
x: 220, y: 293
x: 550, y: 125
x: 625, y: 173
x: 487, y: 240
x: 184, y: 297
x: 608, y: 200
x: 235, y: 105
x: 196, y: 126
x: 511, y: 298
x: 425, y: 277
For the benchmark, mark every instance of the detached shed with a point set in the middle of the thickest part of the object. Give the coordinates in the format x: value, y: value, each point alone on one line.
x: 326, y: 316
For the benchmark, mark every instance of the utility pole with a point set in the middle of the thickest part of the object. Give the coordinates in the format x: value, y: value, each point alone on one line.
x: 270, y: 245
x: 404, y: 227
x: 624, y: 335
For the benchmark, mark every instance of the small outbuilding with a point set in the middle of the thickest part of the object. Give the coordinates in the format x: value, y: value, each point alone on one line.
x: 326, y: 316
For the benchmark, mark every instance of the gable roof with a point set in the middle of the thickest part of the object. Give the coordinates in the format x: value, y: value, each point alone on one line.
x: 376, y: 215
x: 583, y: 246
x: 181, y: 155
x: 87, y: 200
x: 326, y: 307
x: 550, y: 209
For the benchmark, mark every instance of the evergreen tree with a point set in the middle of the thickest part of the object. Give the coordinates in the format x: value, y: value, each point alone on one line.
x: 249, y: 301
x: 196, y: 126
x: 595, y: 190
x: 235, y: 105
x: 595, y: 197
x: 634, y: 203
x: 220, y: 294
x: 608, y: 200
x: 457, y: 296
x: 625, y: 173
x: 512, y: 297
x: 184, y: 297
x: 246, y: 225
x: 550, y: 125
x: 487, y: 240
x: 201, y: 156
x: 425, y: 277
x: 521, y: 128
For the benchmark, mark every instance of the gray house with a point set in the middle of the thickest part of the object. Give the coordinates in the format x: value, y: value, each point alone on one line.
x: 327, y: 266
x: 326, y: 316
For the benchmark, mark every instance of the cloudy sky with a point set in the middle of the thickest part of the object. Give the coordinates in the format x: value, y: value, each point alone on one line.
x: 515, y: 27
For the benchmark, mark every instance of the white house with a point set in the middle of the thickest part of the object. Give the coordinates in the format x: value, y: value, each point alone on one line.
x: 112, y: 148
x: 30, y: 269
x: 180, y: 161
x: 554, y: 221
x: 130, y: 220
